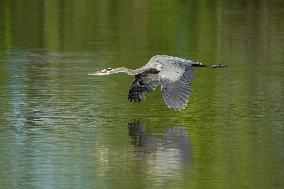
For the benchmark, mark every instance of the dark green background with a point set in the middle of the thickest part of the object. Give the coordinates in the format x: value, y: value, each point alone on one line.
x: 60, y: 128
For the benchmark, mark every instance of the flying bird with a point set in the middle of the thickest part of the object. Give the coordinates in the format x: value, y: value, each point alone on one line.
x: 174, y: 74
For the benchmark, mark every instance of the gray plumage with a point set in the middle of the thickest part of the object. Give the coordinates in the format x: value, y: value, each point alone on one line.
x: 174, y: 74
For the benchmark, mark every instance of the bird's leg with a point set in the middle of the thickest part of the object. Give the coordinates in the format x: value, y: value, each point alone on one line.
x: 219, y: 66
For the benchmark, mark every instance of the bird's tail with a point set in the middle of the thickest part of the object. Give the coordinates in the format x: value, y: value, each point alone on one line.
x: 198, y: 64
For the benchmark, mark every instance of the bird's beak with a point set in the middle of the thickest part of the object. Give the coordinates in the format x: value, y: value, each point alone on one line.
x: 92, y: 73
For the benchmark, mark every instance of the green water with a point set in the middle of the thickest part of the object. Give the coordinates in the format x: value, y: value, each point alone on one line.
x: 60, y: 128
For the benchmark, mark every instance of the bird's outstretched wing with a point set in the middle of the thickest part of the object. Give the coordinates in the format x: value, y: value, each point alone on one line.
x: 142, y: 84
x: 176, y: 78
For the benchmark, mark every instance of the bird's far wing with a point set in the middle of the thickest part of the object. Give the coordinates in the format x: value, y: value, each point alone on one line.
x: 176, y: 81
x: 142, y: 84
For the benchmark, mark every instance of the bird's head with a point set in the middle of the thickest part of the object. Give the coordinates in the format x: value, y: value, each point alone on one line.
x: 102, y: 72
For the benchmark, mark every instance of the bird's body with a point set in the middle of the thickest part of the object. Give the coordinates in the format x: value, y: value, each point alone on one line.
x: 174, y: 74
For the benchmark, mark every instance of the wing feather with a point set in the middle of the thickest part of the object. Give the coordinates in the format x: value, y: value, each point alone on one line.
x: 176, y: 81
x: 142, y: 84
x: 169, y: 100
x: 175, y: 76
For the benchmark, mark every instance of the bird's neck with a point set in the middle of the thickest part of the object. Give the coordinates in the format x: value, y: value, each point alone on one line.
x: 124, y: 70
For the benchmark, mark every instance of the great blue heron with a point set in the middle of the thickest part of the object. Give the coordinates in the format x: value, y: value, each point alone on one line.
x: 172, y: 73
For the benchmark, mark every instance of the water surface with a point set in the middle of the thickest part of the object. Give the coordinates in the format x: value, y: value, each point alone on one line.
x: 60, y: 128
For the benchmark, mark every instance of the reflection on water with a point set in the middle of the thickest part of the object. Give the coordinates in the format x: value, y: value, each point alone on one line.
x: 165, y: 153
x: 60, y: 128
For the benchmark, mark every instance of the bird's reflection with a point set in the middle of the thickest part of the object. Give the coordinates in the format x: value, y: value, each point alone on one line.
x: 166, y: 153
